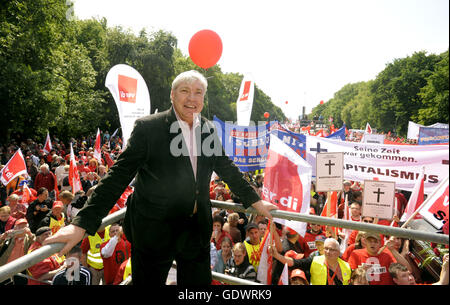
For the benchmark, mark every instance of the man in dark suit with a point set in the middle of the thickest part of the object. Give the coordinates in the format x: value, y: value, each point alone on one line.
x: 171, y: 155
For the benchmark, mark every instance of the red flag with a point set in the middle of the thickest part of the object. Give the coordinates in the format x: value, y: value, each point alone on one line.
x: 74, y: 176
x: 332, y: 202
x: 368, y: 128
x: 16, y: 166
x: 435, y: 210
x: 97, y: 149
x: 287, y: 182
x: 48, y: 144
x: 416, y: 199
x: 108, y: 160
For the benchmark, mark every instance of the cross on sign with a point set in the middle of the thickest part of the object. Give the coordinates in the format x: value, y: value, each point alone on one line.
x: 378, y: 194
x: 318, y: 149
x: 329, y: 164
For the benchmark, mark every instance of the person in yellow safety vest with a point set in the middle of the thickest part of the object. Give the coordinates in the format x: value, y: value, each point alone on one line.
x: 91, y: 254
x: 55, y: 219
x: 327, y: 269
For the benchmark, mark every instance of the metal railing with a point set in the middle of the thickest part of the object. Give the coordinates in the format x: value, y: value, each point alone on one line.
x: 24, y: 262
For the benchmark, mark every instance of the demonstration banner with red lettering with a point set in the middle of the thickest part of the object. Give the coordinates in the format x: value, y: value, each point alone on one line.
x: 287, y: 182
x: 16, y: 166
x: 131, y: 95
x: 244, y: 102
x: 435, y: 210
x: 399, y: 163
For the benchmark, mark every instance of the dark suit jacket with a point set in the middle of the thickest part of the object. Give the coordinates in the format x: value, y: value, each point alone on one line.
x: 165, y: 187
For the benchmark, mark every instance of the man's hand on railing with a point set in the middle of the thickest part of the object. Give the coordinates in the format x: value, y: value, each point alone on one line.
x: 264, y: 207
x: 70, y: 235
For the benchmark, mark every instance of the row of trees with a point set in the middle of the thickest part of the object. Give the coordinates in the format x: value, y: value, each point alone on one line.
x: 54, y: 68
x: 415, y: 88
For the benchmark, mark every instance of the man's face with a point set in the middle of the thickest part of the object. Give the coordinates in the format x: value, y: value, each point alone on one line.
x: 404, y: 278
x: 355, y: 210
x: 4, y: 216
x: 315, y: 228
x: 331, y: 250
x: 262, y: 229
x: 114, y: 230
x: 238, y: 257
x: 43, y: 196
x: 320, y: 247
x: 372, y: 245
x: 44, y: 236
x: 57, y: 211
x: 187, y: 99
x: 254, y: 236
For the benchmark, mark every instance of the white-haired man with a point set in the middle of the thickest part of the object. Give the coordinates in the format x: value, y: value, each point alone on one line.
x: 326, y: 269
x: 45, y: 178
x: 169, y: 213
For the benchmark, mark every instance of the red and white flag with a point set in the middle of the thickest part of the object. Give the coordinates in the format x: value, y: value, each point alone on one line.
x: 26, y: 196
x: 284, y: 278
x: 48, y: 144
x: 287, y: 182
x: 330, y: 207
x: 97, y: 148
x: 368, y: 128
x: 16, y: 166
x: 416, y: 199
x: 264, y: 275
x: 435, y: 209
x: 74, y: 176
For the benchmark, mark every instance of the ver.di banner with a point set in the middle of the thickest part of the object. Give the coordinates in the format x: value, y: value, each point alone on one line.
x: 401, y: 164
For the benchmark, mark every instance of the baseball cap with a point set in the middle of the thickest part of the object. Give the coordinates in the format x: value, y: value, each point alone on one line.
x: 298, y: 273
x: 346, y: 182
x: 373, y: 235
x: 58, y: 204
x: 251, y: 226
x: 42, y: 230
x: 20, y: 221
x: 320, y: 238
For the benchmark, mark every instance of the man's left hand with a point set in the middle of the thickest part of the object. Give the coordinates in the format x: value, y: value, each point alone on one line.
x: 264, y: 207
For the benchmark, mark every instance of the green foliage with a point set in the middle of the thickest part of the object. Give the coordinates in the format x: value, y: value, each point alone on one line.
x: 412, y: 88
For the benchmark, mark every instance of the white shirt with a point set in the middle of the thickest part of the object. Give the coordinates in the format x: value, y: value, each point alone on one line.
x: 190, y: 139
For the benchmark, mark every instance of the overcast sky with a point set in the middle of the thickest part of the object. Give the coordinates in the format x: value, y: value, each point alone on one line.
x: 297, y: 51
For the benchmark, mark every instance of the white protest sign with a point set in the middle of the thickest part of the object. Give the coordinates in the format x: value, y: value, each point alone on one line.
x: 401, y: 164
x: 329, y: 171
x: 374, y: 138
x: 378, y: 199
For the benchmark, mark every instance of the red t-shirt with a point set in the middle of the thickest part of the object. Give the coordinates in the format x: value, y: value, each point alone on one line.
x: 112, y: 264
x: 43, y: 267
x: 379, y: 273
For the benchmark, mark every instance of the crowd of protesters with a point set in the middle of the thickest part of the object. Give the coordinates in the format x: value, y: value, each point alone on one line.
x: 35, y: 206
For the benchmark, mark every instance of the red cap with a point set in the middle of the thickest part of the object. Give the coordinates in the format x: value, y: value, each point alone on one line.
x: 298, y: 273
x: 58, y: 204
x: 20, y: 221
x: 291, y: 231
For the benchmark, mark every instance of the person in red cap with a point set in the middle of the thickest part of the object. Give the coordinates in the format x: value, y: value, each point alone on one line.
x: 298, y: 277
x: 55, y: 219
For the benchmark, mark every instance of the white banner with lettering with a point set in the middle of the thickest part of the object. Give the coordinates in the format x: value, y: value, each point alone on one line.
x: 399, y: 163
x: 131, y: 95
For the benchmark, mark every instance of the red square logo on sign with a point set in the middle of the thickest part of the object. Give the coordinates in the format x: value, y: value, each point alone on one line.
x: 127, y: 89
x: 246, y: 91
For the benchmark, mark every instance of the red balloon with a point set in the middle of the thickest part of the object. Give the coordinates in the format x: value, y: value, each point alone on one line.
x: 205, y: 48
x: 321, y: 102
x: 286, y: 102
x: 266, y: 115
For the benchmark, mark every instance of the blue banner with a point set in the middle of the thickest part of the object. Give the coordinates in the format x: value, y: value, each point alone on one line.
x: 247, y: 146
x: 430, y: 135
x: 296, y: 141
x: 339, y: 134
